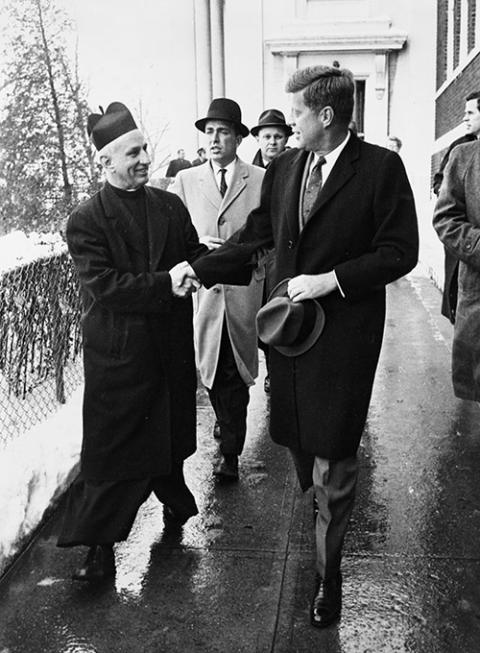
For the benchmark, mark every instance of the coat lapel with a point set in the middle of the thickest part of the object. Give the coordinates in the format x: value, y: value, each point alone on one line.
x: 125, y: 224
x: 293, y: 185
x: 207, y: 185
x: 158, y: 215
x: 341, y: 172
x: 238, y: 183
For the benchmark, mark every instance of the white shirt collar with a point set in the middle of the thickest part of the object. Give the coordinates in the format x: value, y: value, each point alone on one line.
x: 330, y: 158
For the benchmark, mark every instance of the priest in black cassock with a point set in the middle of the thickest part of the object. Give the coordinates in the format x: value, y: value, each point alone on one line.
x: 129, y: 244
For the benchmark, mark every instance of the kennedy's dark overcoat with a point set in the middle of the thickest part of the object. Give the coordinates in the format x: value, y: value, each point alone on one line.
x: 363, y: 226
x: 140, y: 380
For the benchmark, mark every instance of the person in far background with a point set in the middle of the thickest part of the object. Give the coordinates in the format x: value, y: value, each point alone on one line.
x: 393, y: 143
x: 272, y: 134
x: 175, y: 165
x: 202, y: 157
x: 471, y: 119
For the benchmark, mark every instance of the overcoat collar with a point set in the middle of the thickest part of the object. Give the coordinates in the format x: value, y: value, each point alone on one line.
x: 157, y: 222
x: 342, y: 171
x: 208, y: 186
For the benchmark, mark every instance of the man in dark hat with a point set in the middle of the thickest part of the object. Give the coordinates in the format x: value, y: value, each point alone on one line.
x: 219, y: 196
x: 341, y: 216
x: 272, y: 133
x: 129, y: 245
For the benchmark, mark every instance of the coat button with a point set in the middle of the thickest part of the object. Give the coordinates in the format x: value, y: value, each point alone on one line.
x: 217, y: 290
x: 291, y: 244
x: 468, y: 246
x: 221, y: 221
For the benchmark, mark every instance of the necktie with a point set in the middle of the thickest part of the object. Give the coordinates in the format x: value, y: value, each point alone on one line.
x: 312, y: 189
x: 223, y: 183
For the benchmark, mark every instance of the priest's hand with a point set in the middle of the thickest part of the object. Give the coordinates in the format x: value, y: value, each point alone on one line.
x: 184, y: 280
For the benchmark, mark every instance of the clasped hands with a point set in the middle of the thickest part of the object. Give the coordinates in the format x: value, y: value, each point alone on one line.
x: 184, y: 280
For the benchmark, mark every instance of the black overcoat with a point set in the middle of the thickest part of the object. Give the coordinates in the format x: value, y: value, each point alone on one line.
x: 363, y: 225
x: 140, y: 380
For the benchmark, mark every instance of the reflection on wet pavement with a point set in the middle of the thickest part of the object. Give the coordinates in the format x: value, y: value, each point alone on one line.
x: 238, y: 577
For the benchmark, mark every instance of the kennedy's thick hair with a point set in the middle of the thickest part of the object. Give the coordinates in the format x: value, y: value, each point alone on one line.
x: 325, y: 86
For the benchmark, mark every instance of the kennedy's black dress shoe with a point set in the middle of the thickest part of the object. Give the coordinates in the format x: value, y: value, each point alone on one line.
x: 327, y: 601
x: 227, y: 468
x: 99, y: 564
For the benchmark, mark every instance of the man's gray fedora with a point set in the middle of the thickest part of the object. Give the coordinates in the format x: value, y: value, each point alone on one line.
x: 292, y: 328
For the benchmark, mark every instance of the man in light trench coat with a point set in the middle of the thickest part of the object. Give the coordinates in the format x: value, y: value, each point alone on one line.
x: 341, y: 216
x: 219, y: 195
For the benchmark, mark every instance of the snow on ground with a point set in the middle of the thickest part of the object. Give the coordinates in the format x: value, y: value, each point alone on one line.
x: 35, y: 465
x: 18, y: 248
x: 35, y: 469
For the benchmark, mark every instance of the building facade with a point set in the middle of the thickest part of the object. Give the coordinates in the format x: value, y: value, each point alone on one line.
x: 246, y: 50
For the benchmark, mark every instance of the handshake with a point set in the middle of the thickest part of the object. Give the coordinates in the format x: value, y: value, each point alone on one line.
x: 184, y: 280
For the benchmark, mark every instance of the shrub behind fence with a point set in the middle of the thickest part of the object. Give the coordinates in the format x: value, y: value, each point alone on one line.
x: 40, y: 341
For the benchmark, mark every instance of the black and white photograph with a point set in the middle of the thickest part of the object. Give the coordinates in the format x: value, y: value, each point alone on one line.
x: 239, y: 292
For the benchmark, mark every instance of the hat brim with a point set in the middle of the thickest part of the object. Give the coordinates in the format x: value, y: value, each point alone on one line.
x: 200, y: 124
x: 286, y: 128
x: 281, y: 290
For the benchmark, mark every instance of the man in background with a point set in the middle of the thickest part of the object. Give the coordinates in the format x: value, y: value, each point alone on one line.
x: 457, y: 222
x: 272, y: 134
x: 219, y: 196
x: 201, y: 157
x: 471, y: 118
x: 394, y: 144
x: 180, y: 163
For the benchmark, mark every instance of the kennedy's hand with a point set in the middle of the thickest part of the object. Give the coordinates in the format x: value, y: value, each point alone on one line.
x: 184, y: 280
x: 212, y: 242
x: 309, y: 286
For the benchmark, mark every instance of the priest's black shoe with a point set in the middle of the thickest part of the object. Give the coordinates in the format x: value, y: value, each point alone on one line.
x: 327, y: 602
x: 227, y: 468
x: 99, y: 564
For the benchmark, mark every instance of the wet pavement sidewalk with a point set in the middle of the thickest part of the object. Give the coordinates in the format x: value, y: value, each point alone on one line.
x: 239, y: 577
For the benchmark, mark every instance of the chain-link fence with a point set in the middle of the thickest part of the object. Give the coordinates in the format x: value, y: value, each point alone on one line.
x: 40, y: 341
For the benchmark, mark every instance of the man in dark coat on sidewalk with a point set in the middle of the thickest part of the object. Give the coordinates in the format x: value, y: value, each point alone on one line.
x: 341, y: 216
x: 128, y: 244
x: 272, y: 134
x: 471, y: 119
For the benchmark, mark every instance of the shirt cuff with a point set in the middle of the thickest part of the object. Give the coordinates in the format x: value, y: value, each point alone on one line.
x: 338, y: 285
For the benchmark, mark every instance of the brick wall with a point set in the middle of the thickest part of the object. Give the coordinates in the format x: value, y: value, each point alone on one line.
x: 450, y: 105
x: 442, y: 24
x: 472, y: 23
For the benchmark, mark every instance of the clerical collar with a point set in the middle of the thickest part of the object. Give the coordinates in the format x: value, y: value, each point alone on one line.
x: 128, y: 194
